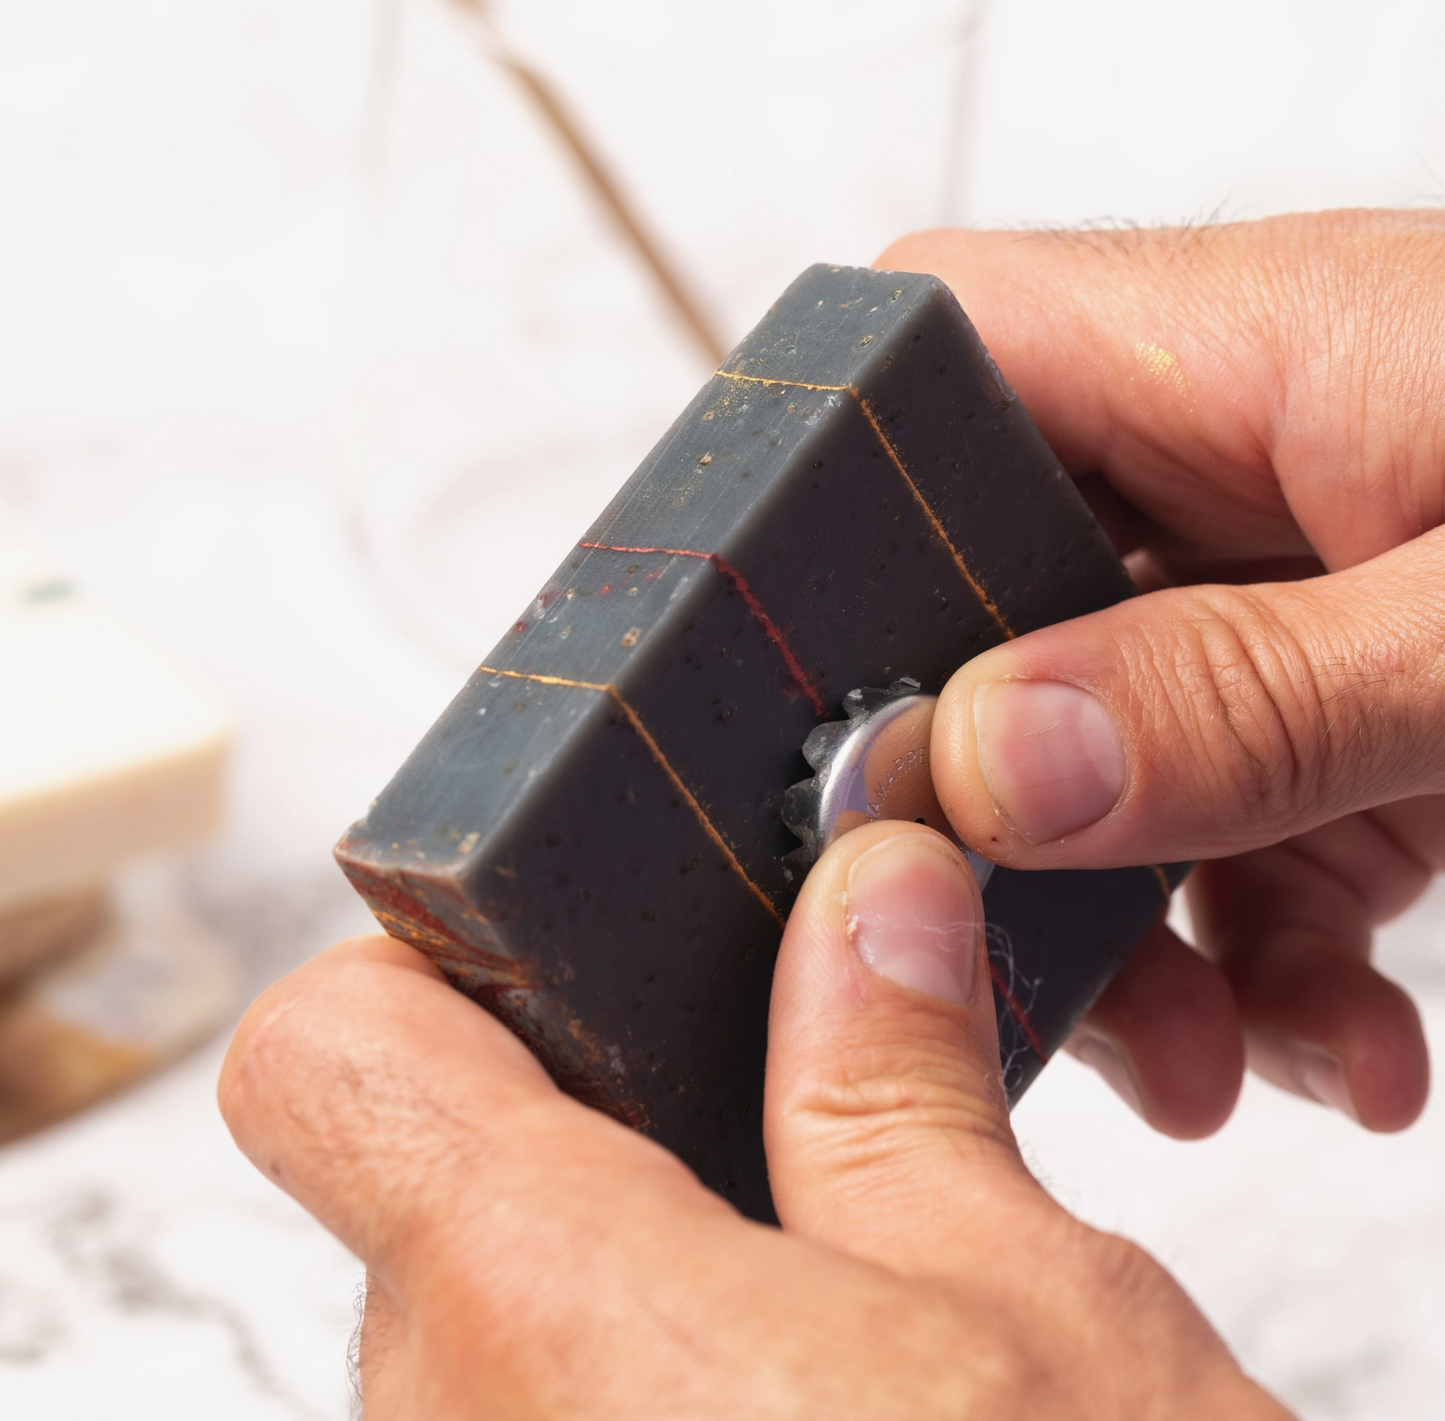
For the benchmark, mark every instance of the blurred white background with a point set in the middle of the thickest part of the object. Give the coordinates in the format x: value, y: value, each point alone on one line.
x: 315, y: 357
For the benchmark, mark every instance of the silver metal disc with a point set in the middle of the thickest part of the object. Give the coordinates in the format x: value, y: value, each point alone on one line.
x: 874, y: 765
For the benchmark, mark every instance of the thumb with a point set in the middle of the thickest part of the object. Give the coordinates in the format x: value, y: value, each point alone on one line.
x: 885, y: 1111
x: 1201, y: 721
x: 888, y: 1138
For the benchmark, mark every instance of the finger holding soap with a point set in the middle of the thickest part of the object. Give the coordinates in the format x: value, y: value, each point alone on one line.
x: 1250, y: 391
x: 888, y: 1136
x: 883, y: 1048
x: 1196, y: 722
x: 1292, y: 936
x: 1166, y: 1036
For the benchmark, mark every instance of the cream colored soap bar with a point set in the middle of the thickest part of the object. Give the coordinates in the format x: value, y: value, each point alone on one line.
x: 107, y: 751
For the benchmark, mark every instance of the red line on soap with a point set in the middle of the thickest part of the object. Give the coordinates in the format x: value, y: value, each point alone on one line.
x: 771, y: 629
x: 1018, y: 1013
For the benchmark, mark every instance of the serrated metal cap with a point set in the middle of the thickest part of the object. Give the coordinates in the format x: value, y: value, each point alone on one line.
x: 873, y: 765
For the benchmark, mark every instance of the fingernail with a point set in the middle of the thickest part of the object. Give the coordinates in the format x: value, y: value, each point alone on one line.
x: 1322, y: 1077
x: 1050, y: 754
x: 1106, y: 1058
x: 915, y: 915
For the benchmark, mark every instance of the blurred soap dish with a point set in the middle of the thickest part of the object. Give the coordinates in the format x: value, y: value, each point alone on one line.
x: 109, y: 757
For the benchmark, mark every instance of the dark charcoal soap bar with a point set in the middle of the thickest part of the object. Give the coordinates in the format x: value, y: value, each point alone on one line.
x: 588, y: 842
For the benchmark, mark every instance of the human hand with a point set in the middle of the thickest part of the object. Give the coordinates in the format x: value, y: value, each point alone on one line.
x: 529, y: 1257
x: 1256, y: 411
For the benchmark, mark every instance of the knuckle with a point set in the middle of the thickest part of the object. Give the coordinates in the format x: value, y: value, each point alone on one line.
x: 1099, y: 1274
x: 1249, y: 706
x: 288, y: 1075
x: 1008, y: 1376
x: 1128, y: 1280
x: 1296, y: 703
x: 263, y: 1043
x: 885, y: 1105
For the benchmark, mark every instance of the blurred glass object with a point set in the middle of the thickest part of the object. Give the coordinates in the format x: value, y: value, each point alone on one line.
x: 524, y: 334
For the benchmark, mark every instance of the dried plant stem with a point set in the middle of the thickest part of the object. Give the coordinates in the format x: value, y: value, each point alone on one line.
x: 548, y: 103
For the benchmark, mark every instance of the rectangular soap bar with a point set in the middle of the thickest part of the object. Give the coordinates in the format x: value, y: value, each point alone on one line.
x: 108, y: 751
x: 589, y: 840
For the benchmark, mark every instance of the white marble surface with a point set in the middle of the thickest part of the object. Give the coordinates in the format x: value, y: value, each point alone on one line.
x: 147, y: 1271
x: 252, y: 390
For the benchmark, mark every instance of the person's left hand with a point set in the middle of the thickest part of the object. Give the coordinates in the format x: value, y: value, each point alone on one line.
x: 530, y: 1257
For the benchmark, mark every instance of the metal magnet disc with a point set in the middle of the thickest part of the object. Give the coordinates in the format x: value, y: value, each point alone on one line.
x: 873, y: 765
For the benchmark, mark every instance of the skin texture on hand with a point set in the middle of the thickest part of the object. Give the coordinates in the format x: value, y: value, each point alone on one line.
x: 1254, y: 410
x: 529, y: 1257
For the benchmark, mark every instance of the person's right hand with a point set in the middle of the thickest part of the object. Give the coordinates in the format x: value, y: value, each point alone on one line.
x: 1257, y: 412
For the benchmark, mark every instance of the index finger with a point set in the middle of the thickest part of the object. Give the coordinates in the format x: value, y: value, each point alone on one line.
x: 1242, y: 386
x: 386, y: 1104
